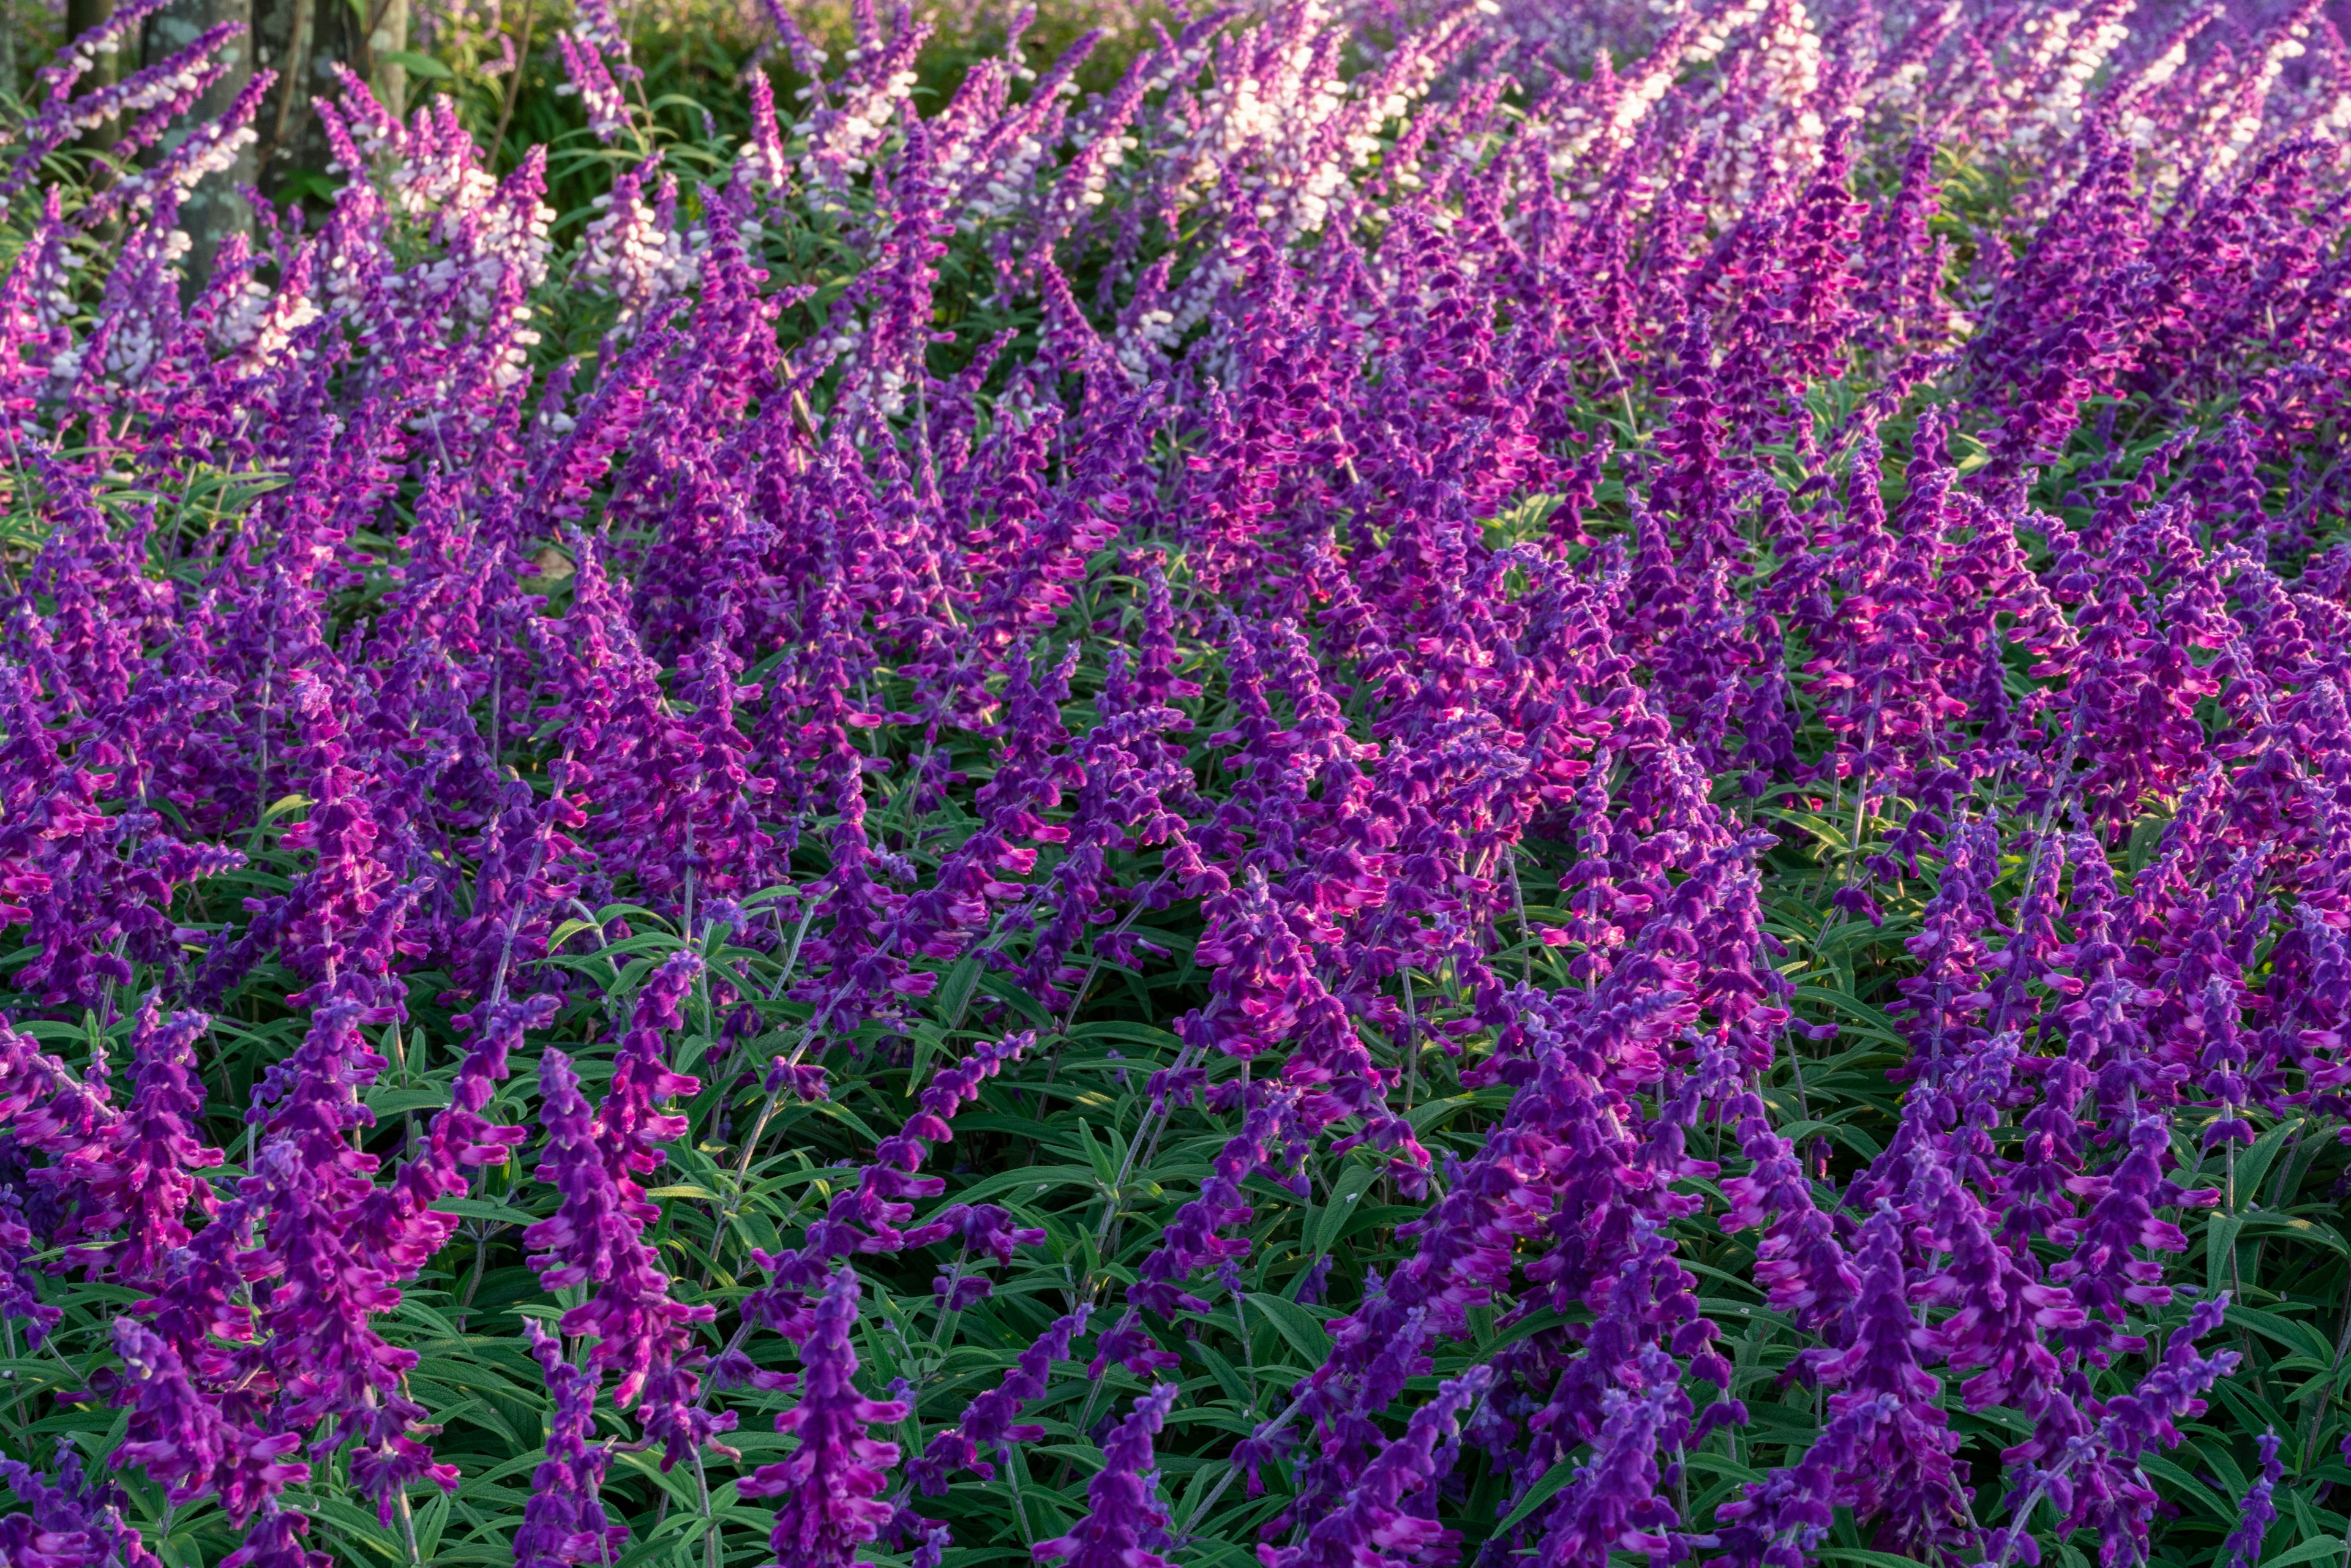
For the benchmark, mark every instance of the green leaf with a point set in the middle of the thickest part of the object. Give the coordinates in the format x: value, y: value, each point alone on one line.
x: 1137, y: 1033
x: 361, y: 1527
x: 953, y: 998
x: 415, y: 64
x: 2221, y: 1509
x: 486, y: 1208
x: 2294, y: 1335
x: 568, y: 930
x: 2295, y: 1228
x: 2220, y: 1249
x: 1541, y: 1492
x: 1028, y: 1178
x: 1874, y: 1023
x: 1534, y: 1323
x: 1104, y: 1165
x: 393, y: 1101
x: 2254, y: 1163
x: 1296, y: 1325
x: 429, y: 1524
x: 284, y: 804
x: 1424, y: 1117
x: 1331, y: 1220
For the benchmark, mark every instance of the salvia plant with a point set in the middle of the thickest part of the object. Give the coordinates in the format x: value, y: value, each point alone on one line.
x: 1455, y: 786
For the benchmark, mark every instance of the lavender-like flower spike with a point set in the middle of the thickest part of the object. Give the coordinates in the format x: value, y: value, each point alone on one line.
x: 1373, y: 1525
x: 145, y: 101
x: 596, y: 1237
x: 2001, y: 1310
x: 275, y: 1541
x: 831, y: 1484
x: 1124, y: 1521
x: 337, y: 1372
x: 20, y: 1298
x: 866, y: 1217
x: 629, y: 1126
x: 2097, y: 1481
x: 1781, y: 1519
x: 1799, y: 1260
x: 574, y: 1244
x: 72, y: 1523
x: 1612, y: 1504
x: 140, y: 1179
x: 2259, y: 1511
x: 564, y: 1522
x: 1907, y: 1473
x: 2104, y: 1272
x: 2147, y: 1417
x: 988, y: 1420
x: 591, y: 79
x: 462, y: 1136
x: 174, y: 1433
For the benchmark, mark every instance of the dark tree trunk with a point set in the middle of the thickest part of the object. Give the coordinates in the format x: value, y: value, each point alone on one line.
x: 302, y: 41
x: 216, y: 208
x: 81, y: 15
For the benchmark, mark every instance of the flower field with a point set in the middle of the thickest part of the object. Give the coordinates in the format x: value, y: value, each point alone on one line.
x: 1491, y: 785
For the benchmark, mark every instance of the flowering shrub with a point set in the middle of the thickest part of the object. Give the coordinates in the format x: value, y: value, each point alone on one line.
x: 1368, y: 805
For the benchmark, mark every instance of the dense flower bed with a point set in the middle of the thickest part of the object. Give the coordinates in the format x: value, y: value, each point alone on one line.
x: 1375, y: 804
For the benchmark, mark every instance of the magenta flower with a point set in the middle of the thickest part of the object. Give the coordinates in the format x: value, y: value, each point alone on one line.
x: 831, y: 1484
x: 565, y: 1522
x: 988, y: 1420
x: 1125, y: 1520
x: 1373, y: 1521
x: 142, y: 1177
x: 69, y: 1522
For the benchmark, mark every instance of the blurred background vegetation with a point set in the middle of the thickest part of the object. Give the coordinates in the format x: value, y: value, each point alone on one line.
x: 494, y: 61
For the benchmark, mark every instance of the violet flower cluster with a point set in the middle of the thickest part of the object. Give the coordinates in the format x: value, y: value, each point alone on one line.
x: 1434, y: 783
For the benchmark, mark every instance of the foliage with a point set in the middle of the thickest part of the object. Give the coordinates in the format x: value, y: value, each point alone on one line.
x: 1344, y: 802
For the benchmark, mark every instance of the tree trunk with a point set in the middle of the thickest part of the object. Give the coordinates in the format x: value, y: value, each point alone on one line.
x: 216, y: 208
x: 8, y: 28
x: 284, y: 40
x: 302, y: 41
x: 387, y: 79
x: 81, y: 15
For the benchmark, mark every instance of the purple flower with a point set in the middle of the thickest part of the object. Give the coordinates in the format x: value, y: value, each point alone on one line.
x: 19, y: 1296
x: 142, y: 1177
x: 1778, y: 1521
x: 2097, y: 1481
x: 1124, y: 1521
x: 868, y: 1217
x: 1374, y: 1521
x: 70, y: 1524
x: 1905, y: 1471
x: 174, y: 1433
x: 2001, y: 1311
x: 564, y: 1522
x: 1800, y: 1261
x: 1613, y: 1503
x: 831, y: 1484
x: 987, y: 1421
x: 462, y: 1137
x: 2104, y: 1272
x: 596, y: 1237
x: 275, y: 1541
x: 2259, y: 1511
